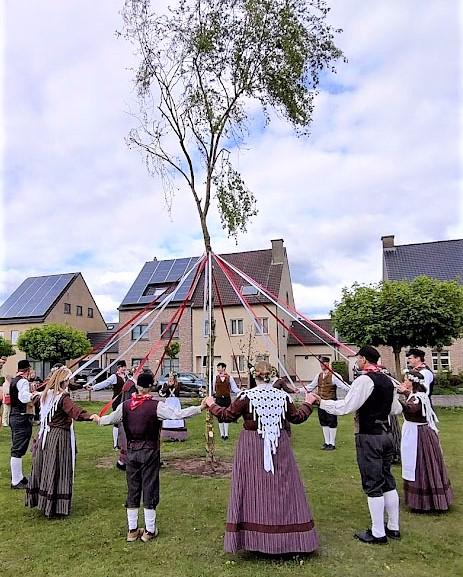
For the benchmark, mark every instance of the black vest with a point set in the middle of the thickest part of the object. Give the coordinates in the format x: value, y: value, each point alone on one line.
x: 16, y: 405
x: 431, y: 384
x: 117, y: 389
x: 373, y: 414
x: 141, y: 426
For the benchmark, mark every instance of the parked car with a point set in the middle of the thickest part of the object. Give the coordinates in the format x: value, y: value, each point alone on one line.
x: 89, y: 374
x: 191, y: 385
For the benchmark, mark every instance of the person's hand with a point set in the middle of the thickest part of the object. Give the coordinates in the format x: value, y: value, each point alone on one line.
x: 209, y: 401
x: 312, y: 399
x: 203, y: 404
x: 87, y: 387
x: 95, y: 418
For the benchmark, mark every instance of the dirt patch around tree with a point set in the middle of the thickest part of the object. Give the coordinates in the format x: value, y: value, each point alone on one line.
x: 198, y: 467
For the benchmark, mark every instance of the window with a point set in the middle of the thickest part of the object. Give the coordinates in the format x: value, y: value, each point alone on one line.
x: 78, y: 310
x: 90, y: 313
x: 263, y: 357
x: 248, y: 290
x: 263, y: 324
x: 238, y: 363
x: 166, y: 333
x: 236, y: 326
x: 441, y: 361
x: 170, y: 366
x: 137, y: 331
x: 155, y: 290
x: 14, y: 337
x: 67, y: 308
x: 206, y: 328
x: 136, y: 363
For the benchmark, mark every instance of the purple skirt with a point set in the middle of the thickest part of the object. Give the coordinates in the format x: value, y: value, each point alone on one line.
x: 267, y: 512
x: 431, y: 489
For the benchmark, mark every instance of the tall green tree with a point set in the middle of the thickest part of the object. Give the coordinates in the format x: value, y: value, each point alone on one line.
x: 424, y: 312
x: 204, y: 68
x: 6, y: 348
x: 54, y: 343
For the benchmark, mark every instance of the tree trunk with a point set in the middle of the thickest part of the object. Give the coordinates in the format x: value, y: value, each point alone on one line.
x: 210, y: 441
x: 398, y: 368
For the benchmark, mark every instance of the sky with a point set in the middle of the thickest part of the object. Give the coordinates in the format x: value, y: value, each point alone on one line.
x: 383, y: 157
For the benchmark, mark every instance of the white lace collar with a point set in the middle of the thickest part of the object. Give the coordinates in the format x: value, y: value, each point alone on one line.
x: 268, y: 406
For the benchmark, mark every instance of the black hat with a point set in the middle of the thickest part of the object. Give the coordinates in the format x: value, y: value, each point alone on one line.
x: 24, y: 365
x: 324, y: 359
x: 121, y: 364
x: 370, y: 353
x: 415, y: 353
x: 145, y: 380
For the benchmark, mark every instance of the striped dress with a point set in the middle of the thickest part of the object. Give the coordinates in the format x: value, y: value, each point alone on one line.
x: 267, y: 511
x: 50, y: 483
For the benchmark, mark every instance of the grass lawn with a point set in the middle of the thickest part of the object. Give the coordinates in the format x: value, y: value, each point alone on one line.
x: 192, y: 513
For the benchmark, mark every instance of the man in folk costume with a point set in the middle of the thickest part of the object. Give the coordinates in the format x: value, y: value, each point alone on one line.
x: 141, y: 416
x: 264, y: 469
x: 415, y: 361
x: 372, y: 397
x: 116, y: 381
x: 21, y: 417
x: 224, y: 386
x: 326, y: 383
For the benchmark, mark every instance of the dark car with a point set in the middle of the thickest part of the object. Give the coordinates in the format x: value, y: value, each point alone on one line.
x: 89, y: 374
x: 191, y: 385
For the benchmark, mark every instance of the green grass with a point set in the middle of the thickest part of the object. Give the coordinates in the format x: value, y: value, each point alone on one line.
x: 192, y: 513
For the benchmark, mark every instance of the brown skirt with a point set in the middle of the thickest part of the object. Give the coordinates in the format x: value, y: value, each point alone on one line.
x: 431, y: 489
x: 267, y: 512
x: 50, y: 484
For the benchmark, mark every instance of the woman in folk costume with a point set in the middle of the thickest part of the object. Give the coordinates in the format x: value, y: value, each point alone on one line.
x: 50, y: 484
x: 267, y: 510
x: 172, y: 430
x: 426, y: 483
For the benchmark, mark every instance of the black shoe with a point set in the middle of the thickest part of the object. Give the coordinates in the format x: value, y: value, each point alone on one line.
x: 391, y: 533
x: 330, y: 448
x: 21, y: 485
x: 368, y: 537
x: 225, y: 438
x: 121, y: 466
x: 324, y: 447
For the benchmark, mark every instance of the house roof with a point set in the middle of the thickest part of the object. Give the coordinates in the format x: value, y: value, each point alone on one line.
x: 257, y: 264
x: 97, y: 339
x: 34, y: 298
x: 441, y: 260
x: 307, y: 336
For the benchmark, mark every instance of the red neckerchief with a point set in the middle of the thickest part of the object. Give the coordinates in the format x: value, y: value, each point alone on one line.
x: 372, y: 369
x: 138, y: 400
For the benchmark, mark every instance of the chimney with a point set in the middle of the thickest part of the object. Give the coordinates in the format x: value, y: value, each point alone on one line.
x: 278, y: 251
x: 388, y: 241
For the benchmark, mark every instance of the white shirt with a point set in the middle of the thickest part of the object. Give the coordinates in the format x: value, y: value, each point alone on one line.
x: 109, y: 382
x: 359, y: 391
x: 24, y: 391
x: 164, y: 412
x: 233, y: 386
x: 428, y: 378
x: 336, y: 381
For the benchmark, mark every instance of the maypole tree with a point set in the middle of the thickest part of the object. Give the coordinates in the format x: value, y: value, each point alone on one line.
x: 202, y: 68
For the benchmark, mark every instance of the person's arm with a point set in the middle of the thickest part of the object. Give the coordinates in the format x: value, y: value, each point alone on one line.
x: 109, y: 382
x: 297, y: 415
x: 164, y: 412
x: 74, y: 411
x: 311, y: 386
x: 358, y: 393
x: 24, y: 392
x: 234, y: 387
x: 340, y: 383
x: 428, y: 378
x: 113, y: 418
x: 231, y: 413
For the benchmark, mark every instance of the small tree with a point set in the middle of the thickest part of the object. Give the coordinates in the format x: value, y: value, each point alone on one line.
x: 172, y: 350
x: 54, y: 343
x: 424, y: 312
x: 6, y: 348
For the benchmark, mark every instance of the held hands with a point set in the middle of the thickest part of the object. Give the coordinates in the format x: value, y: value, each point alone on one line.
x: 95, y: 418
x: 209, y: 401
x: 312, y: 399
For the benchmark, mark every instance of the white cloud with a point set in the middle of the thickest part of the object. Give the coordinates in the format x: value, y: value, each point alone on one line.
x: 382, y: 158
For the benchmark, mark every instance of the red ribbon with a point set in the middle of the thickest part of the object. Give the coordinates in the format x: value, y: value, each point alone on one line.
x: 138, y: 400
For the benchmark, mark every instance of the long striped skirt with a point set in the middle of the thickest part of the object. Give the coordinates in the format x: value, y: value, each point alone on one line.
x: 267, y: 512
x: 431, y: 489
x: 50, y: 484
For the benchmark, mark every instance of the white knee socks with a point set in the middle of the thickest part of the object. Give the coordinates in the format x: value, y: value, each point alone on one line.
x: 332, y: 436
x: 326, y: 435
x: 132, y: 519
x: 115, y: 436
x: 16, y: 464
x: 376, y: 506
x: 223, y: 428
x: 391, y: 504
x: 150, y: 520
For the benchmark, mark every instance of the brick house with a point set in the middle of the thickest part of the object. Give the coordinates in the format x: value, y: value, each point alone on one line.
x: 440, y: 260
x: 269, y: 267
x: 54, y: 299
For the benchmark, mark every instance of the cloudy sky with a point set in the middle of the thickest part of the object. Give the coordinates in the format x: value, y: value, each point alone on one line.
x: 383, y: 157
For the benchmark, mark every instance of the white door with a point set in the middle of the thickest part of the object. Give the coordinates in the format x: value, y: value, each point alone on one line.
x: 307, y: 367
